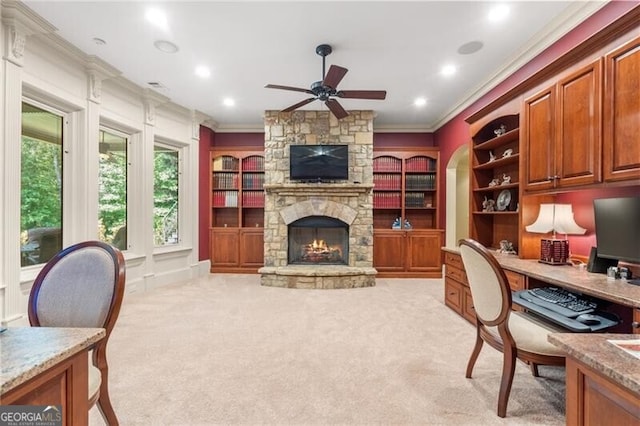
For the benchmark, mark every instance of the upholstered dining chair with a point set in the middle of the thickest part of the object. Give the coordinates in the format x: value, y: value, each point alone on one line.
x: 517, y: 335
x: 83, y: 286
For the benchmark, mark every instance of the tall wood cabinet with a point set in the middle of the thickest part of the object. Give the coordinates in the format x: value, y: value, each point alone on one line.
x: 406, y: 238
x: 562, y: 142
x: 237, y: 211
x: 621, y: 123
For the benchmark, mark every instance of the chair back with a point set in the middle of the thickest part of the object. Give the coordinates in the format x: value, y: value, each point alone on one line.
x: 81, y: 286
x: 489, y: 286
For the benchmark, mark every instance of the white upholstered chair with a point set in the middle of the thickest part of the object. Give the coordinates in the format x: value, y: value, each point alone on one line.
x: 515, y: 334
x: 83, y: 286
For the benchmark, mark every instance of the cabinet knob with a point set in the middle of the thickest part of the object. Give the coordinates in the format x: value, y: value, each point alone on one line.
x: 635, y: 324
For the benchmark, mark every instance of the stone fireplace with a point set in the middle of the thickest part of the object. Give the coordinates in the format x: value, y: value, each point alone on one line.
x: 318, y: 235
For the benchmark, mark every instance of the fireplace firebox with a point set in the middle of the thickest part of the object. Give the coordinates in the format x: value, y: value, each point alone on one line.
x: 318, y: 240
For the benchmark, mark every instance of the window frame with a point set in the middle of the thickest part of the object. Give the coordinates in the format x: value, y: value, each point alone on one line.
x: 49, y: 105
x: 118, y: 131
x: 181, y: 149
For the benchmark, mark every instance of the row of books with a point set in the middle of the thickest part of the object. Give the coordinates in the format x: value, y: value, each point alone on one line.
x: 386, y: 200
x: 417, y: 199
x: 253, y: 180
x: 253, y: 164
x: 420, y: 181
x: 225, y: 199
x: 421, y: 164
x: 414, y: 164
x: 253, y: 199
x: 387, y: 164
x: 225, y: 162
x: 387, y: 181
x: 225, y: 180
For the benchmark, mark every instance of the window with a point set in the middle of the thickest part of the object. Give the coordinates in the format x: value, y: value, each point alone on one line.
x: 41, y: 185
x: 112, y: 184
x: 166, y: 172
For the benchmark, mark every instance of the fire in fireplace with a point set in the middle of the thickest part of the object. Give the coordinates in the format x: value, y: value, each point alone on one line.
x: 318, y: 240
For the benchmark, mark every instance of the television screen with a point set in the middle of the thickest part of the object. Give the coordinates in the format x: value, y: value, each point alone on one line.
x: 319, y: 162
x: 618, y: 228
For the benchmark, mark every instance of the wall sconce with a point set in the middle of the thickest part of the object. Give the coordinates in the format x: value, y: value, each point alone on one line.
x: 555, y: 218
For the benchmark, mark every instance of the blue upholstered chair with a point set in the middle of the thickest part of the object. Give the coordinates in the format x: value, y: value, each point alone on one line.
x: 515, y: 334
x: 83, y: 286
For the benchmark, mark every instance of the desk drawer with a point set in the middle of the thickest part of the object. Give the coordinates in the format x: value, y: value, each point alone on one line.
x: 453, y: 259
x: 456, y: 274
x: 516, y: 281
x: 453, y: 293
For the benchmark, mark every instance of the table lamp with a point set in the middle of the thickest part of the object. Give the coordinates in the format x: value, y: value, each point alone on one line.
x: 555, y: 218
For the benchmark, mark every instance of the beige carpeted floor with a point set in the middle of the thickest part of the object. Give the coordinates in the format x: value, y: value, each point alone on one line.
x: 225, y: 350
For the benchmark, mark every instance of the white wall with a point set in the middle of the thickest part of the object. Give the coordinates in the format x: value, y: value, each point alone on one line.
x: 39, y: 65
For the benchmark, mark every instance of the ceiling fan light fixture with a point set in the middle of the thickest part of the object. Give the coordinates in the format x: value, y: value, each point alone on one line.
x: 326, y: 90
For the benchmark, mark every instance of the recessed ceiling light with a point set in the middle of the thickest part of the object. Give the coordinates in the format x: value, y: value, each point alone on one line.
x: 228, y: 102
x: 420, y: 102
x: 448, y: 70
x: 157, y: 17
x: 471, y: 47
x: 165, y: 46
x: 202, y: 71
x: 498, y: 13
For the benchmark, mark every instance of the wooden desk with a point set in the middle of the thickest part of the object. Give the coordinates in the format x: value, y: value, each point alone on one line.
x: 48, y: 366
x: 603, y: 381
x: 624, y: 297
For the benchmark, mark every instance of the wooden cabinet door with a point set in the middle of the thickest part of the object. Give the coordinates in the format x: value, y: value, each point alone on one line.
x: 578, y: 148
x: 622, y: 113
x: 251, y: 247
x: 389, y: 250
x: 224, y: 248
x: 538, y: 135
x: 424, y: 251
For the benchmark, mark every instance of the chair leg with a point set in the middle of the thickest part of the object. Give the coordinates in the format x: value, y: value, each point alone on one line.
x: 534, y: 369
x: 508, y: 370
x: 104, y: 403
x: 474, y: 355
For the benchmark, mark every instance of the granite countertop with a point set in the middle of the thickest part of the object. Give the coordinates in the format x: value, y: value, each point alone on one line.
x: 571, y: 278
x: 26, y: 352
x: 594, y: 350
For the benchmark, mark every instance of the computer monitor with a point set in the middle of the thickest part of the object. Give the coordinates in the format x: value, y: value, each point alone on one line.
x: 617, y: 223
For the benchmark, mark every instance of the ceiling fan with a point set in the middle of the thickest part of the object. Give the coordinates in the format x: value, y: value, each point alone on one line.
x: 327, y: 89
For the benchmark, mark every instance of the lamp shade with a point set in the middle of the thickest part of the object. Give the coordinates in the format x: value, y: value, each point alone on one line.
x: 556, y: 218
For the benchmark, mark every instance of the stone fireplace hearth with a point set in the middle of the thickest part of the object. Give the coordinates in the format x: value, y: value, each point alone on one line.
x: 342, y: 202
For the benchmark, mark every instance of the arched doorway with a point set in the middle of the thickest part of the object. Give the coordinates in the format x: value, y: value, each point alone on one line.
x: 457, y: 204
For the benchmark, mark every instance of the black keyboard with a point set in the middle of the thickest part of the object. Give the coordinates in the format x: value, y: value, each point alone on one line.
x: 559, y: 300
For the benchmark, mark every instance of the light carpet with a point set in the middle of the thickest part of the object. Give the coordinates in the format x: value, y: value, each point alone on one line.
x: 223, y: 349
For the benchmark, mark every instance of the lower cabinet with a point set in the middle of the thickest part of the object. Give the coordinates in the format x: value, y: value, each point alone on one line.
x: 408, y: 253
x: 236, y: 249
x: 593, y: 399
x: 457, y: 294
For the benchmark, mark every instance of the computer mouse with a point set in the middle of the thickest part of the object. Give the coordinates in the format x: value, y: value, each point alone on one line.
x: 588, y: 319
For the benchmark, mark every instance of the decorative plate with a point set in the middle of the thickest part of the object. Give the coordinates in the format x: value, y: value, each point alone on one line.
x: 504, y: 199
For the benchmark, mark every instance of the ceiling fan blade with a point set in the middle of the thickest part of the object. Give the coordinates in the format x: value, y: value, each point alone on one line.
x: 337, y: 110
x: 295, y: 89
x: 362, y: 94
x: 334, y: 76
x: 298, y: 105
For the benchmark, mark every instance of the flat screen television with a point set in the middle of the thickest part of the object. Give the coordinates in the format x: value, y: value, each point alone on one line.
x: 319, y: 162
x: 618, y: 228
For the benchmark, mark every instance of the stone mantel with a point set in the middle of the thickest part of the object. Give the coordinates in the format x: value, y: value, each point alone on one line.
x: 319, y: 189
